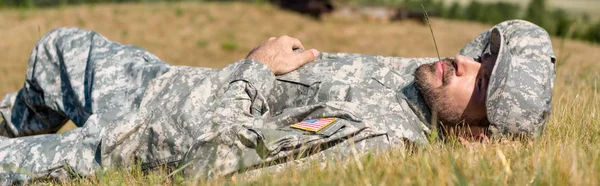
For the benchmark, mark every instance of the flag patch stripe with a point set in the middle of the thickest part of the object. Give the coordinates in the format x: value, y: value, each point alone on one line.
x: 314, y: 125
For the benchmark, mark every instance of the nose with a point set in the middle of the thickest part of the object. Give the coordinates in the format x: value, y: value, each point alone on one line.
x: 466, y: 66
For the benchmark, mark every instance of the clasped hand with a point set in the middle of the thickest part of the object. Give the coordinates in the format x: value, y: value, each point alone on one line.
x: 278, y: 54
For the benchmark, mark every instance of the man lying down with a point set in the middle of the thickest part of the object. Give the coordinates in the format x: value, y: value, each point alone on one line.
x: 276, y: 105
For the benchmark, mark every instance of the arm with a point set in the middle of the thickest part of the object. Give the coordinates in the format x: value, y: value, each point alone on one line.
x: 229, y: 136
x: 253, y: 77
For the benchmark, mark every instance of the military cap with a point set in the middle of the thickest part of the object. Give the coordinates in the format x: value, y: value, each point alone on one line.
x: 519, y: 93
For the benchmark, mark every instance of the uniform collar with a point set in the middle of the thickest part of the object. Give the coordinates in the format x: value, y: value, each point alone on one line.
x: 415, y: 101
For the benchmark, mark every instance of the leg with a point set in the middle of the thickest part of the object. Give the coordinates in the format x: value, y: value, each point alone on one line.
x: 76, y: 153
x: 31, y: 117
x: 54, y: 156
x: 72, y: 74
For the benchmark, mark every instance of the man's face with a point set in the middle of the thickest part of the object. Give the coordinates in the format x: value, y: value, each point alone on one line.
x: 456, y: 89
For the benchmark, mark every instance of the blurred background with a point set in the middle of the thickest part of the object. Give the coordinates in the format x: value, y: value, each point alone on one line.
x: 577, y: 19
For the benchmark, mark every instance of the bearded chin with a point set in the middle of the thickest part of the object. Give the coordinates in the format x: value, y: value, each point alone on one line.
x: 435, y: 97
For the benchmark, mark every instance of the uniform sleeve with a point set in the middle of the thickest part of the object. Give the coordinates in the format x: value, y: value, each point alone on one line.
x: 242, y: 100
x: 254, y: 73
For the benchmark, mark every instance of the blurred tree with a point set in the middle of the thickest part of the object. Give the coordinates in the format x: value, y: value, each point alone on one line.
x: 579, y: 30
x: 593, y: 33
x: 441, y: 9
x: 7, y: 3
x: 472, y: 11
x: 26, y: 3
x: 536, y: 10
x: 585, y: 18
x: 510, y: 11
x: 455, y: 11
x: 46, y: 3
x: 537, y: 13
x: 415, y: 4
x: 498, y: 12
x: 492, y: 14
x: 562, y: 22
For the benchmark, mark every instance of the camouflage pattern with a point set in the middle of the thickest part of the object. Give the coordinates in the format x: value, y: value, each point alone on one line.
x: 519, y: 95
x: 131, y: 107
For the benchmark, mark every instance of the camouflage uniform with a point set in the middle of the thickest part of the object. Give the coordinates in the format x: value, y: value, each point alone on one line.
x: 131, y: 106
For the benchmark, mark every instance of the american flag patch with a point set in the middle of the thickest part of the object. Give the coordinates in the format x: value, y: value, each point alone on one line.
x: 314, y: 125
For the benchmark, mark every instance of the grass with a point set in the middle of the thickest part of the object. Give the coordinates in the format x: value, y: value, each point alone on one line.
x: 567, y: 154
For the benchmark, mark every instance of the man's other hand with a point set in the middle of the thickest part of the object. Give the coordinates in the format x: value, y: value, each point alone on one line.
x: 469, y: 135
x: 278, y: 54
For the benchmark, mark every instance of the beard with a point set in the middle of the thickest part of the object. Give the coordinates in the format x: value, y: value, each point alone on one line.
x: 436, y: 97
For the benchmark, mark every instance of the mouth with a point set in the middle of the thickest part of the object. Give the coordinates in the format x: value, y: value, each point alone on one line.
x: 440, y: 69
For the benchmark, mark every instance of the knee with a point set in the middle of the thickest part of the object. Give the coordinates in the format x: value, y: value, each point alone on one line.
x: 58, y: 46
x: 64, y: 35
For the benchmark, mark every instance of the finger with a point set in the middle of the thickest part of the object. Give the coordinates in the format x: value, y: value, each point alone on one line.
x: 294, y: 43
x: 271, y: 39
x: 485, y: 139
x: 463, y: 141
x: 307, y: 56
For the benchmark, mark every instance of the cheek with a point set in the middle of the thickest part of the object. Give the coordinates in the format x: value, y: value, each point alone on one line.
x: 461, y: 91
x: 471, y: 101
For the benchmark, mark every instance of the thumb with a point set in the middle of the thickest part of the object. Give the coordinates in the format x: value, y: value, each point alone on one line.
x: 308, y: 55
x: 463, y: 140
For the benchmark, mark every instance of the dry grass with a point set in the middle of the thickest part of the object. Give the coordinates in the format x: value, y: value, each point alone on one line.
x: 214, y: 35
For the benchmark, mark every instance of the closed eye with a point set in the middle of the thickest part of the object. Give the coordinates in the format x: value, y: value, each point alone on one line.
x: 479, y: 82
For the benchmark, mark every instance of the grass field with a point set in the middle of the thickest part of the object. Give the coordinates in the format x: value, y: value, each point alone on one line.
x: 213, y: 35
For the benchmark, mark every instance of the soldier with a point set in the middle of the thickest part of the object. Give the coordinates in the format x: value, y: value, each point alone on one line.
x: 270, y: 108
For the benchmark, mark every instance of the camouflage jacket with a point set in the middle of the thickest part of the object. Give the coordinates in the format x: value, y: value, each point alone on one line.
x: 133, y: 107
x: 239, y: 117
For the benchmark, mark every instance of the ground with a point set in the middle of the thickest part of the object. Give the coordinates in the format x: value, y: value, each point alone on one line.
x: 215, y: 34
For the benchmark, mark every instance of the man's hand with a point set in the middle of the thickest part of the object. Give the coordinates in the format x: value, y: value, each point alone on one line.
x: 278, y: 54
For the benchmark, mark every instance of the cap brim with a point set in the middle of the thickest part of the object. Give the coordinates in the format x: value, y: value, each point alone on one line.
x: 498, y: 78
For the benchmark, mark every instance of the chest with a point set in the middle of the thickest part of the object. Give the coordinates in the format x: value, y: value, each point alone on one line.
x: 372, y: 87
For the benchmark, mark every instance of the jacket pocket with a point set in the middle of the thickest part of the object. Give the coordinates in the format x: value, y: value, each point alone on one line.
x: 290, y: 92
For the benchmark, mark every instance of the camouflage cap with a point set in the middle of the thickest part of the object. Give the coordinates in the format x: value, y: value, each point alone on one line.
x: 519, y: 93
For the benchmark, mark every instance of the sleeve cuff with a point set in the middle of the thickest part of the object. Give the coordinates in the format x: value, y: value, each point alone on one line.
x: 255, y: 73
